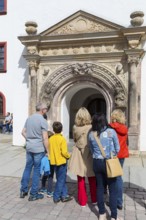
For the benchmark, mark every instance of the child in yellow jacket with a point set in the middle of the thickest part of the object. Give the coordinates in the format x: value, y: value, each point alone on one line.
x: 58, y: 155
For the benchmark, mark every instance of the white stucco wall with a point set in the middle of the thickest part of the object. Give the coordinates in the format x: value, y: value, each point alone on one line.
x: 46, y: 13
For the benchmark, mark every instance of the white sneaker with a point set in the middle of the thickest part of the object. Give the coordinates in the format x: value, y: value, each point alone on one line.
x: 83, y: 206
x: 102, y: 217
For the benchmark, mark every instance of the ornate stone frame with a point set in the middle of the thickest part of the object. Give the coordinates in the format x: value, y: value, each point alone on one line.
x: 84, y: 47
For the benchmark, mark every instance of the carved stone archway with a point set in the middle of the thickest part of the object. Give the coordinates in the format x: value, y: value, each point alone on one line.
x: 85, y: 48
x: 88, y: 72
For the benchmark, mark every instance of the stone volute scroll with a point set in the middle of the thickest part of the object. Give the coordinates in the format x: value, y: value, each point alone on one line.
x: 119, y: 69
x: 33, y: 66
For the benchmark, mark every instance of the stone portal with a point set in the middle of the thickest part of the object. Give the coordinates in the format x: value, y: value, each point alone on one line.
x: 86, y: 61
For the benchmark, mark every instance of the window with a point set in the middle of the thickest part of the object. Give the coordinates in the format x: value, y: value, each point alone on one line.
x: 2, y: 57
x: 3, y: 7
x: 2, y: 104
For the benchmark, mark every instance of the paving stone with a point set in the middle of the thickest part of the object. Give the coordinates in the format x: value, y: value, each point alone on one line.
x: 130, y: 208
x: 138, y: 177
x: 130, y: 218
x: 14, y: 208
x: 141, y: 216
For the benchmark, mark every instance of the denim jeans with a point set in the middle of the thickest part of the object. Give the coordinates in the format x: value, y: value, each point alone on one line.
x: 99, y: 167
x: 50, y: 180
x: 60, y: 186
x: 33, y: 160
x: 120, y: 185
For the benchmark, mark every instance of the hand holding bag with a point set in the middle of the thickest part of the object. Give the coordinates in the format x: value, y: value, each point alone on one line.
x: 113, y: 166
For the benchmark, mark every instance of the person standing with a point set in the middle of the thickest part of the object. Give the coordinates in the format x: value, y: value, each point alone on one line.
x: 109, y: 141
x: 48, y: 177
x: 118, y: 123
x: 81, y: 162
x: 35, y: 133
x: 58, y: 159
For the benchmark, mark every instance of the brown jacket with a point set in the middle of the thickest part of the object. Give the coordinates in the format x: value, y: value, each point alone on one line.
x: 81, y: 162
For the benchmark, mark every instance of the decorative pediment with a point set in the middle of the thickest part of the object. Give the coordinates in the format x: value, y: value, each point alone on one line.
x: 81, y: 22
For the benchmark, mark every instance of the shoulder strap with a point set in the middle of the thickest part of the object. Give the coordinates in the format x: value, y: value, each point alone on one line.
x: 99, y: 144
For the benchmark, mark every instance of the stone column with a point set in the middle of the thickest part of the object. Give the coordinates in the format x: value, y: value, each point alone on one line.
x: 33, y: 66
x: 133, y: 103
x: 133, y: 96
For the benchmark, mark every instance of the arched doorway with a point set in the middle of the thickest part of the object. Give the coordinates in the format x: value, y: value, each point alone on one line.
x: 90, y: 98
x: 81, y: 94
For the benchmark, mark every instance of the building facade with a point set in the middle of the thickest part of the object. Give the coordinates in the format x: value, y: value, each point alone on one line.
x: 82, y: 59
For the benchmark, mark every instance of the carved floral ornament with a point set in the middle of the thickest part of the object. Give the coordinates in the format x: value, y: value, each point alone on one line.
x: 81, y: 24
x: 32, y: 50
x: 78, y: 50
x: 133, y: 59
x: 88, y: 71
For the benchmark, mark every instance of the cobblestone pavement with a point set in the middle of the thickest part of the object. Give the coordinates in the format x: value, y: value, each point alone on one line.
x: 14, y: 208
x: 12, y: 162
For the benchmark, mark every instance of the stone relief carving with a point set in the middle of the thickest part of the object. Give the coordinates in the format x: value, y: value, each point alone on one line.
x: 85, y: 70
x: 82, y: 69
x: 120, y: 98
x: 32, y: 50
x: 119, y: 69
x: 133, y: 59
x: 33, y: 64
x: 46, y: 95
x: 46, y: 71
x: 109, y: 48
x: 81, y: 25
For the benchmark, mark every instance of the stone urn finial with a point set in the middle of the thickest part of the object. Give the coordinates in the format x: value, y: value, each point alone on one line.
x: 137, y: 18
x: 31, y: 27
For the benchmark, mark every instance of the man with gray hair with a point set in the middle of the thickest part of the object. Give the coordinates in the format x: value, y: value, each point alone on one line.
x: 35, y: 133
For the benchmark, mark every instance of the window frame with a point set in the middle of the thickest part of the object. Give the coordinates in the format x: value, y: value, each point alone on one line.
x: 4, y: 12
x: 4, y: 44
x: 4, y: 103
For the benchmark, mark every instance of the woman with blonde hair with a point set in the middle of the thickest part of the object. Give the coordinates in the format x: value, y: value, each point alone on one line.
x: 118, y: 121
x: 81, y: 162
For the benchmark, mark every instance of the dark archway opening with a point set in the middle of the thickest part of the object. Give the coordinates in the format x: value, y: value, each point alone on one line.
x: 97, y: 105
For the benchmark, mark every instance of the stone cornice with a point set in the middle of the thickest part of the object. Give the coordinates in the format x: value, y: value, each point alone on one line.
x: 134, y: 36
x: 114, y: 36
x: 133, y: 30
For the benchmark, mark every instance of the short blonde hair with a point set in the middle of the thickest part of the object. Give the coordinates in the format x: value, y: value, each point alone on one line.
x: 82, y: 117
x: 118, y: 116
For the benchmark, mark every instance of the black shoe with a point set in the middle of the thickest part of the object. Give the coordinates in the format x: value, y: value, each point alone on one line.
x: 107, y: 203
x: 119, y: 207
x: 23, y: 194
x: 56, y: 201
x: 35, y: 197
x: 66, y: 199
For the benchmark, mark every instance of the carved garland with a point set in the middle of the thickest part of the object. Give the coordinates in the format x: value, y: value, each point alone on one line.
x: 88, y: 71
